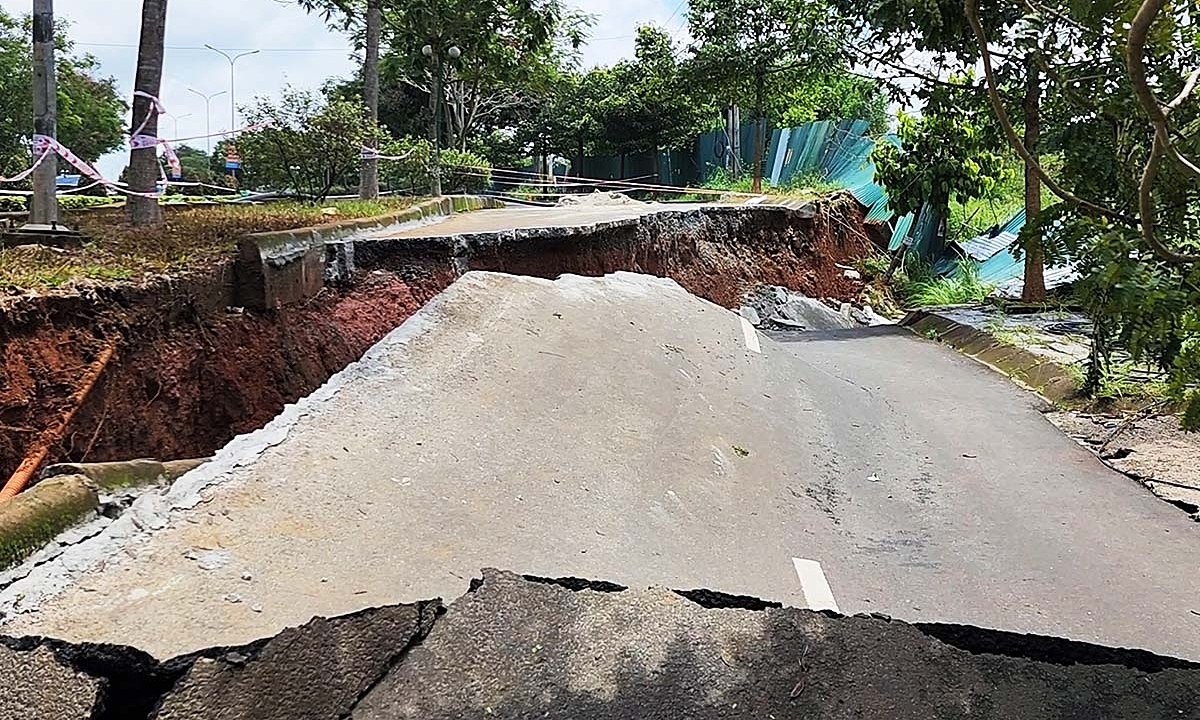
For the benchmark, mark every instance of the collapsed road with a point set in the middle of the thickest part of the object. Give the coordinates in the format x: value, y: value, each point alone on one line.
x: 528, y: 647
x: 622, y: 428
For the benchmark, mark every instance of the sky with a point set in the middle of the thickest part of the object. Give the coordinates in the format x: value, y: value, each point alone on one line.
x: 297, y: 49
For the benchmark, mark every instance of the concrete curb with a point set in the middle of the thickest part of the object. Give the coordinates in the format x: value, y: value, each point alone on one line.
x: 275, y: 269
x: 1049, y: 379
x: 38, y: 515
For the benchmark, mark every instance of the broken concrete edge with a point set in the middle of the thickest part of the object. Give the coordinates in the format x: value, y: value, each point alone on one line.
x: 41, y: 513
x: 1052, y: 381
x: 287, y: 266
x: 350, y: 256
x: 24, y: 587
x: 324, y: 658
x: 133, y: 684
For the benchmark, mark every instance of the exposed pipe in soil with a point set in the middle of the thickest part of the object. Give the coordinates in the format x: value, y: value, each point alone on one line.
x: 52, y: 434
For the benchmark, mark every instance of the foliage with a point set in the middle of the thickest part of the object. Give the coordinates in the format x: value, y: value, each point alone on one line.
x: 925, y: 289
x: 310, y: 144
x: 947, y: 153
x: 91, y: 114
x: 462, y: 171
x: 833, y: 93
x: 739, y: 43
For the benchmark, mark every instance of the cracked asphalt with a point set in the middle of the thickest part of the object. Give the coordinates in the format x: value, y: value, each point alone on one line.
x: 621, y: 429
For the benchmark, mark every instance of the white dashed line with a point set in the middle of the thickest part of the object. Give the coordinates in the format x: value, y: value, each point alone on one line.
x: 751, y: 335
x: 813, y: 584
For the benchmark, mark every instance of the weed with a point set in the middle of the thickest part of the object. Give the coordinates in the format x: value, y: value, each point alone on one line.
x: 741, y: 451
x: 922, y: 288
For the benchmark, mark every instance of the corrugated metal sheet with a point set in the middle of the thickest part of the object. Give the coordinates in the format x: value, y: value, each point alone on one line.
x: 999, y: 266
x: 985, y: 247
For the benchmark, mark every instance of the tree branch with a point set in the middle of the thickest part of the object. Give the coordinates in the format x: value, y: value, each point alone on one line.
x: 971, y: 8
x: 1135, y: 55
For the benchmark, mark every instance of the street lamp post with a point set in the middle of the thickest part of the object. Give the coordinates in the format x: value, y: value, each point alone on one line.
x: 175, y: 119
x: 208, y: 113
x: 232, y: 95
x: 433, y: 51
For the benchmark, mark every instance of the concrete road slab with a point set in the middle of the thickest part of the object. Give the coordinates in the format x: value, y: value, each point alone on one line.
x: 516, y: 217
x: 621, y: 428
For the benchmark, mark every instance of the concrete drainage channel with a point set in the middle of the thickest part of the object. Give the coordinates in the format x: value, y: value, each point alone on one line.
x: 531, y: 647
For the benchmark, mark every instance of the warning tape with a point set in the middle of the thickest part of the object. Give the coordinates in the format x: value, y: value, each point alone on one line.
x: 26, y: 173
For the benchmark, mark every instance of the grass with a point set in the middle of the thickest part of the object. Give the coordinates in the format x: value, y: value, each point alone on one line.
x: 920, y: 287
x: 191, y: 237
x: 810, y: 185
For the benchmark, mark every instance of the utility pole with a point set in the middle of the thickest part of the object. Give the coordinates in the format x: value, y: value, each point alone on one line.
x: 43, y: 207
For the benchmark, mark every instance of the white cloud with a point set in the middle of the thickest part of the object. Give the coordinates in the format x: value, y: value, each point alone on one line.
x: 298, y: 49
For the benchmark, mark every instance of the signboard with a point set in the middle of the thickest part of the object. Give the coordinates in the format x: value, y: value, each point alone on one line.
x: 233, y: 160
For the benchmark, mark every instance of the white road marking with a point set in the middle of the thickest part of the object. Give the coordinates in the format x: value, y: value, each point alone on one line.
x: 751, y: 335
x: 813, y: 584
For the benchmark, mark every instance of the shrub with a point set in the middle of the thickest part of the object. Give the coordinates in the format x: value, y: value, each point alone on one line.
x: 462, y: 172
x: 12, y: 203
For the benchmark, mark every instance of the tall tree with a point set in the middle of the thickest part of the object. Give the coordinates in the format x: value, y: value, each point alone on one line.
x: 747, y: 42
x: 941, y: 29
x: 144, y: 211
x: 347, y: 14
x: 368, y: 182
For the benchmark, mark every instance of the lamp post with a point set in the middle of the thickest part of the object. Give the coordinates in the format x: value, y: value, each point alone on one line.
x: 232, y: 95
x: 175, y: 119
x: 434, y: 51
x: 207, y: 113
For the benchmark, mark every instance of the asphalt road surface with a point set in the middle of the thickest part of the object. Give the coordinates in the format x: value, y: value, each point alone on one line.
x: 622, y: 429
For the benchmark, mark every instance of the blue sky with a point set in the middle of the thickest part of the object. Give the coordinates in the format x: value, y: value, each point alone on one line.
x: 297, y: 49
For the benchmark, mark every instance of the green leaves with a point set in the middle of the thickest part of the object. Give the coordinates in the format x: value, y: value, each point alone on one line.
x: 948, y: 152
x: 310, y: 144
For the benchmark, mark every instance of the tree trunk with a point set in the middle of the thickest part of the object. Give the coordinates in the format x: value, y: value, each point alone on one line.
x: 143, y: 162
x: 1035, y: 257
x: 368, y: 178
x: 759, y: 150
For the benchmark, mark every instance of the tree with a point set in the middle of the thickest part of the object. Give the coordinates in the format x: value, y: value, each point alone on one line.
x: 1116, y: 105
x: 739, y: 45
x: 310, y: 145
x: 508, y: 50
x: 940, y: 28
x: 195, y: 164
x: 658, y: 109
x: 143, y: 211
x: 90, y: 110
x: 372, y: 13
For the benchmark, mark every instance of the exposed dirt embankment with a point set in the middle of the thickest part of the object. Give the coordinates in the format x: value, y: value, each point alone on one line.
x: 190, y: 374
